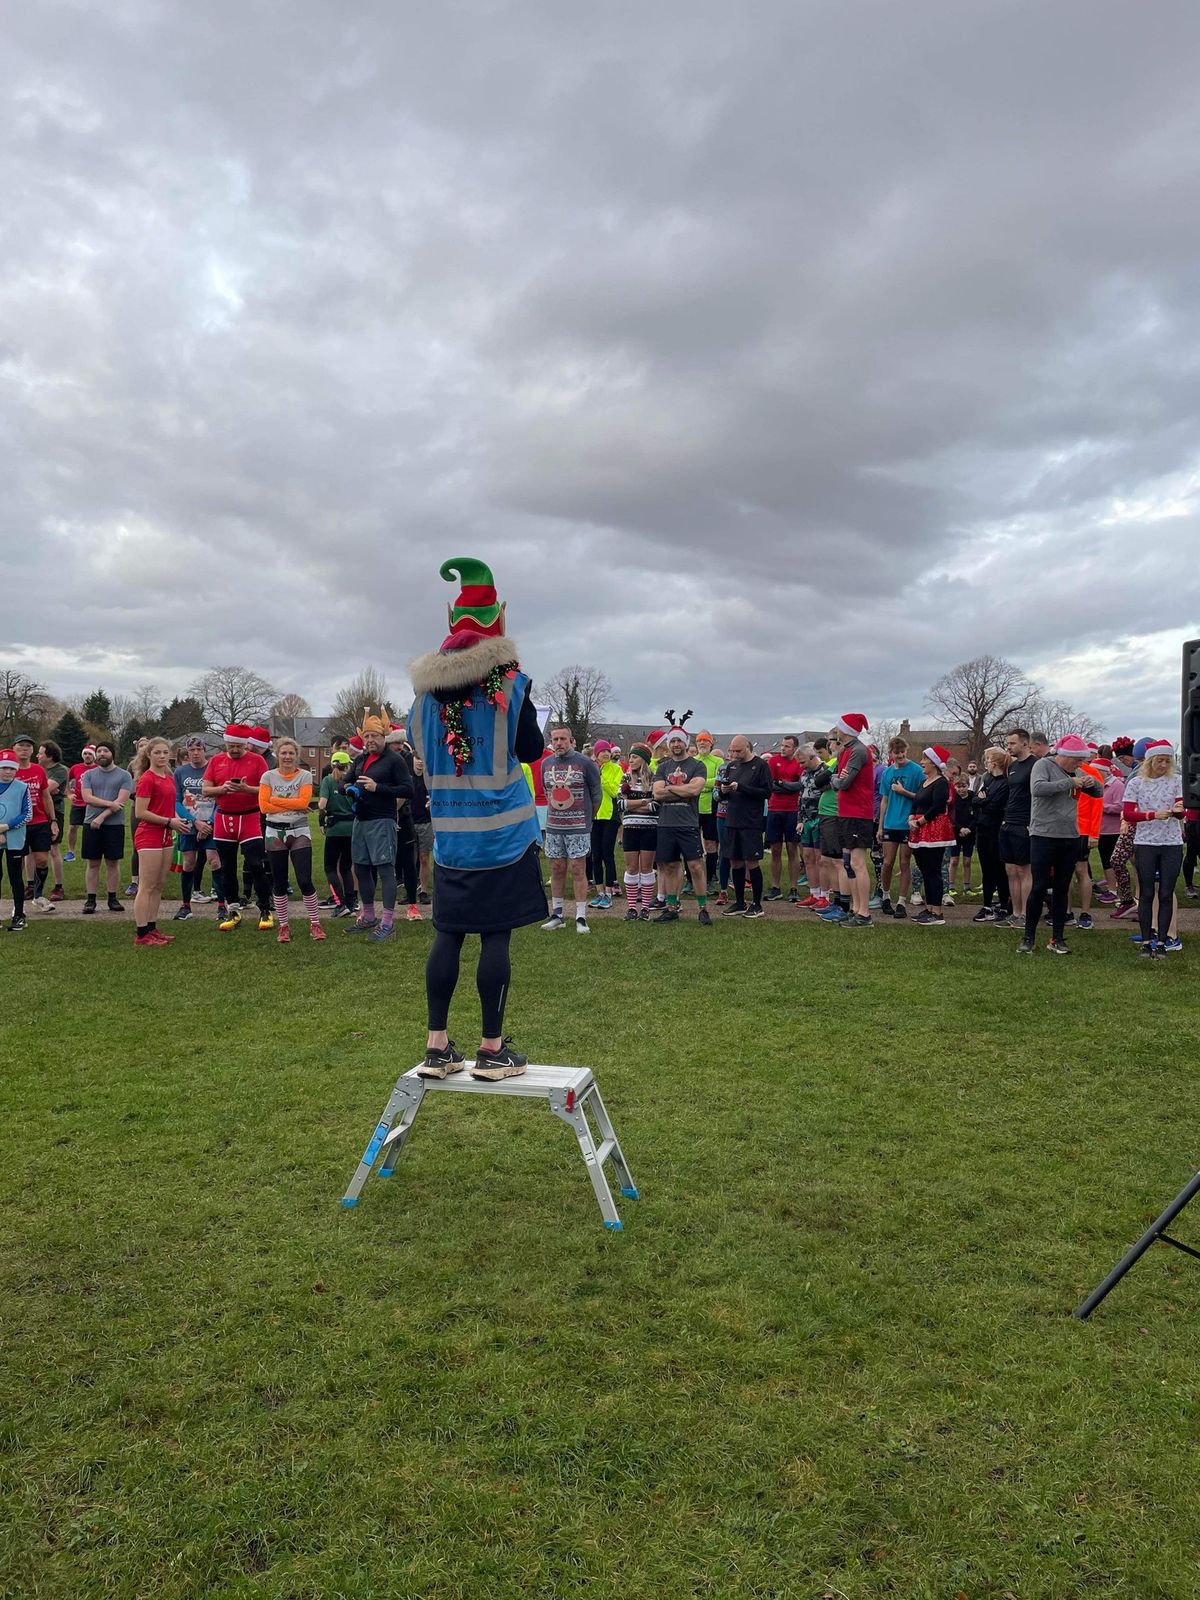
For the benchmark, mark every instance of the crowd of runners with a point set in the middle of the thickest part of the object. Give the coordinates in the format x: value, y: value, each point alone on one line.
x: 837, y: 827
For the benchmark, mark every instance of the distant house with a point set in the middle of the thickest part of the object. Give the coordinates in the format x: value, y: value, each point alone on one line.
x: 310, y: 733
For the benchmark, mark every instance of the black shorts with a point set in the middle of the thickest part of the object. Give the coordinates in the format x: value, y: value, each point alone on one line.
x: 895, y: 836
x: 635, y: 839
x: 77, y: 815
x: 708, y: 826
x: 857, y: 833
x: 742, y: 844
x: 964, y: 847
x: 781, y: 827
x: 103, y: 844
x: 1014, y: 846
x: 37, y: 838
x: 678, y: 844
x: 1106, y: 844
x: 831, y: 838
x: 1085, y: 848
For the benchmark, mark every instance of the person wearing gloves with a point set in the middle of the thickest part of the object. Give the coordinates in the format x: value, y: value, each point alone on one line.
x: 931, y: 832
x: 1055, y: 785
x: 854, y: 781
x: 16, y: 809
x: 783, y: 816
x: 744, y: 786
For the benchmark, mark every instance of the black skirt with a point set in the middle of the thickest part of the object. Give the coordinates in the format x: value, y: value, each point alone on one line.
x: 488, y: 900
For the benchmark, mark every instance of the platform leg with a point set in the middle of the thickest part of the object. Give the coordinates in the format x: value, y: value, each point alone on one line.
x: 578, y: 1123
x: 607, y: 1132
x: 1156, y: 1231
x: 400, y: 1101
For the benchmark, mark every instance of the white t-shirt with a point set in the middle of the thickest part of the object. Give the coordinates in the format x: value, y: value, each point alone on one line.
x: 1156, y: 794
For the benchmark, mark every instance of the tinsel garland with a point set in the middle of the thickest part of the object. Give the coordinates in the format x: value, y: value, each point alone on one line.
x: 458, y: 741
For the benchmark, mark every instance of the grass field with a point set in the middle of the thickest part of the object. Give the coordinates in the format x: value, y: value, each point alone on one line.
x: 831, y: 1355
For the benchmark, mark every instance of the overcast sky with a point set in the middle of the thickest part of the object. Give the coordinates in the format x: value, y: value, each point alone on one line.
x: 776, y: 355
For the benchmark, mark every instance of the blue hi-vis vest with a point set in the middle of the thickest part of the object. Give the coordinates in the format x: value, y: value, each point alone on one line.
x: 486, y: 817
x: 16, y: 809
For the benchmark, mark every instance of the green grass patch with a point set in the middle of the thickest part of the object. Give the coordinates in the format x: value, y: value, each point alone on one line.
x: 831, y: 1354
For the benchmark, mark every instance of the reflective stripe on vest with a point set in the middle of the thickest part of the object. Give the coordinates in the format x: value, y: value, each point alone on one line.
x: 483, y: 817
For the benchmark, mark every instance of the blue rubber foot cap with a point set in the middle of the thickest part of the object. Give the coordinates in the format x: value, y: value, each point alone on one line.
x: 348, y: 1202
x: 385, y: 1172
x: 631, y: 1194
x: 619, y: 1227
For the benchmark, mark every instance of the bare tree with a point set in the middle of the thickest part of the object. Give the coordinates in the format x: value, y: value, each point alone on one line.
x: 883, y: 732
x: 982, y: 696
x: 291, y: 705
x: 1054, y: 717
x: 369, y: 688
x: 233, y: 694
x: 22, y: 703
x: 577, y: 697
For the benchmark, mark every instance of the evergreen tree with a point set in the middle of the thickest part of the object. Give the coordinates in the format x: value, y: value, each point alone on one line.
x: 181, y: 717
x: 71, y: 734
x: 97, y: 709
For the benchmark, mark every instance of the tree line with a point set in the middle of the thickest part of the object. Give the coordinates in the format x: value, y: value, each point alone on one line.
x: 982, y: 698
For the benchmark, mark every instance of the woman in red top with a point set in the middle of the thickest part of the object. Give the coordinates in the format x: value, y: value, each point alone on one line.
x: 154, y: 834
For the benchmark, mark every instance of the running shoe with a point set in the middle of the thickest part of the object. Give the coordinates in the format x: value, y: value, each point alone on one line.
x: 284, y: 936
x: 631, y: 915
x: 875, y: 903
x: 1105, y: 897
x: 554, y: 922
x: 328, y: 903
x: 184, y: 914
x: 734, y: 910
x: 1189, y: 889
x: 773, y: 894
x: 1151, y: 949
x: 704, y: 919
x: 316, y: 931
x: 1085, y: 922
x: 359, y: 926
x: 644, y: 914
x: 931, y: 917
x: 722, y: 898
x: 113, y: 904
x: 581, y: 925
x: 1026, y: 947
x: 70, y: 856
x: 915, y: 899
x: 266, y: 922
x: 43, y: 904
x: 89, y: 906
x: 231, y: 920
x: 834, y: 914
x: 1172, y: 945
x: 131, y: 889
x: 984, y: 914
x: 56, y: 893
x: 441, y: 1063
x: 947, y: 899
x: 821, y: 902
x: 1059, y: 947
x: 149, y: 941
x: 900, y: 913
x: 667, y: 914
x: 754, y: 911
x: 422, y: 897
x: 384, y: 932
x: 793, y: 898
x: 1127, y: 908
x: 200, y: 899
x: 493, y: 1065
x: 414, y: 914
x: 858, y: 921
x: 19, y: 924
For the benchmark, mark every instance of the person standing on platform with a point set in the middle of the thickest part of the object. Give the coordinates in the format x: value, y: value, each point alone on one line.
x: 473, y: 723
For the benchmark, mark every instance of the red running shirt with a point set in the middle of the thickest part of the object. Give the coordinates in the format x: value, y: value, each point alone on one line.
x: 75, y: 775
x: 159, y: 793
x: 35, y: 780
x: 222, y: 768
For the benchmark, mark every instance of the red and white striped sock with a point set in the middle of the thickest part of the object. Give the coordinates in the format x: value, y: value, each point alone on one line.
x: 310, y: 906
x: 281, y: 907
x: 649, y: 882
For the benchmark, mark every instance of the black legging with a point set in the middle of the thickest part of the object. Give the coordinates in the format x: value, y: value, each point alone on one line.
x: 1191, y: 837
x: 930, y: 863
x: 995, y: 879
x: 252, y: 857
x: 338, y: 870
x: 491, y: 979
x: 604, y: 852
x: 1164, y: 861
x: 1052, y: 863
x: 406, y: 855
x: 16, y: 878
x: 300, y: 857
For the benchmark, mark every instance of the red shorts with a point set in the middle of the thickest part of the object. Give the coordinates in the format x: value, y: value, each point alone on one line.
x: 236, y: 827
x: 149, y: 836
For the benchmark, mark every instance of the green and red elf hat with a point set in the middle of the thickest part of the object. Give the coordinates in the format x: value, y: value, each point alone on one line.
x: 476, y: 614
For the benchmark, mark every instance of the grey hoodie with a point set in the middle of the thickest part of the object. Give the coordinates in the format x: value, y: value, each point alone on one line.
x: 1055, y: 809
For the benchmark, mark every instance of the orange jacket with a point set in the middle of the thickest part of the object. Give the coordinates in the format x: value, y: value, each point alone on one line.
x: 1091, y: 807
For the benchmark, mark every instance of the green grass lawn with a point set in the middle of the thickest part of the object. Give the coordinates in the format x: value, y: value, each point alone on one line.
x: 831, y: 1354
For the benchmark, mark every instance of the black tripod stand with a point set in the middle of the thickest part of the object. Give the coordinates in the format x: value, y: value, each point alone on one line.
x: 1152, y: 1235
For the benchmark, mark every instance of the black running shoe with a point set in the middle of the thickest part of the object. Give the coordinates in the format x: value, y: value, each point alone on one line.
x: 773, y: 894
x: 114, y: 904
x: 441, y: 1063
x: 900, y: 912
x: 926, y: 918
x: 18, y: 924
x: 667, y: 914
x: 734, y: 910
x: 754, y: 911
x: 184, y: 914
x: 497, y: 1064
x: 644, y: 914
x: 631, y: 915
x: 1026, y: 947
x: 1059, y: 947
x: 89, y: 906
x: 984, y: 914
x: 704, y: 919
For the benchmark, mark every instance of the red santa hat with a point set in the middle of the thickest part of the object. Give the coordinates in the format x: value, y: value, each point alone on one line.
x: 677, y: 733
x: 395, y: 734
x: 259, y: 738
x: 356, y: 744
x: 8, y: 758
x: 88, y: 750
x: 938, y: 754
x: 854, y: 725
x: 1158, y: 747
x: 237, y: 733
x: 655, y: 737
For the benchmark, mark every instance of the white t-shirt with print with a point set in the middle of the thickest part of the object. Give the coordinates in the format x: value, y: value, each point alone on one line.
x: 1156, y: 794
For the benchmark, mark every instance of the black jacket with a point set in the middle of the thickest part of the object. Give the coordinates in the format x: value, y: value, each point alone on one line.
x: 744, y: 805
x: 993, y: 798
x: 393, y: 783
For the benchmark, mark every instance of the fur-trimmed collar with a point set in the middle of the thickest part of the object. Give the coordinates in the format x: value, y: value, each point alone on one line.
x: 461, y: 669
